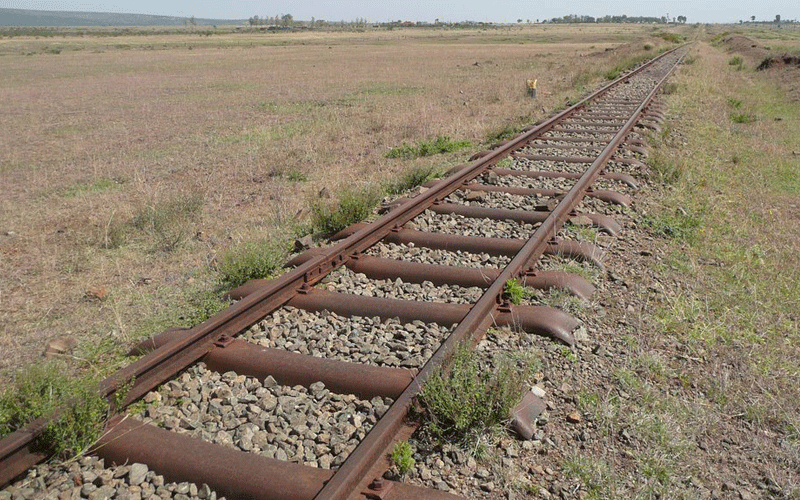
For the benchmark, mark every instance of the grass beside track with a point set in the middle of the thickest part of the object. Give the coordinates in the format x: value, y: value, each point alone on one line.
x: 715, y: 382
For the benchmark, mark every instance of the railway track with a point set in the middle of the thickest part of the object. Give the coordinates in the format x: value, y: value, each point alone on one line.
x: 302, y: 387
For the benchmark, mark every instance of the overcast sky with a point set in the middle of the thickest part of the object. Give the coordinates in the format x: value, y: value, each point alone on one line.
x: 712, y: 11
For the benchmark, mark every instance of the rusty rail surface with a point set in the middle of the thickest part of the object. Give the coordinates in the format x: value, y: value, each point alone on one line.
x: 213, y: 342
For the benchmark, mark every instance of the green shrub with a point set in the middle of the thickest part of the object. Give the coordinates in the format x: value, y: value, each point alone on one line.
x: 414, y: 177
x: 765, y: 64
x: 734, y: 103
x: 648, y: 46
x: 442, y: 144
x: 402, y: 457
x: 502, y: 134
x: 671, y: 37
x: 353, y: 206
x: 742, y: 118
x: 251, y: 260
x: 199, y: 306
x: 469, y: 399
x: 669, y: 88
x: 40, y: 391
x: 514, y: 291
x: 736, y: 62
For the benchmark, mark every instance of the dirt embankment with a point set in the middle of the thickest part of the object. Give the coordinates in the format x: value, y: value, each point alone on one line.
x: 785, y: 67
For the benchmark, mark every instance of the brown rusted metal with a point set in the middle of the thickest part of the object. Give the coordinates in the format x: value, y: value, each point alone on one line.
x: 600, y: 194
x: 161, y: 364
x: 575, y: 122
x: 565, y: 159
x: 541, y: 320
x: 19, y: 451
x: 612, y: 176
x: 157, y: 341
x: 578, y: 250
x: 231, y: 473
x: 604, y: 222
x: 414, y: 272
x: 524, y: 415
x: 289, y: 368
x: 586, y: 131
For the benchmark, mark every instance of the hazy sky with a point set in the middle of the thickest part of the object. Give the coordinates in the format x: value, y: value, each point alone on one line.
x: 429, y: 10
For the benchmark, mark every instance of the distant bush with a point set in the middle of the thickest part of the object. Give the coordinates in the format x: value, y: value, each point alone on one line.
x: 742, y: 118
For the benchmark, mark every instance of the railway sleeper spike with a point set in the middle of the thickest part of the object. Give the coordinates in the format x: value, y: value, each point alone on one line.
x: 578, y: 250
x: 613, y: 176
x: 231, y: 473
x: 290, y: 368
x: 540, y: 320
x: 603, y: 222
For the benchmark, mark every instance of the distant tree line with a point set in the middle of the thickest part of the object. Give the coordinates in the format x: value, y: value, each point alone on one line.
x: 573, y: 18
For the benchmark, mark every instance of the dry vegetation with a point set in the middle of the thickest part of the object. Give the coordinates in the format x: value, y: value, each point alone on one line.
x: 129, y: 164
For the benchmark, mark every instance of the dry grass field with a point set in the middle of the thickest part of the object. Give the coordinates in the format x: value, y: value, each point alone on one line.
x: 128, y: 164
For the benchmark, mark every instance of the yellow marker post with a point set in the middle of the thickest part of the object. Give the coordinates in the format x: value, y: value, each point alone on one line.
x: 531, y: 84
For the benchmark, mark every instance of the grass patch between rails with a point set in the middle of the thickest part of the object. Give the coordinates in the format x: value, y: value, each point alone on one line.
x: 441, y: 144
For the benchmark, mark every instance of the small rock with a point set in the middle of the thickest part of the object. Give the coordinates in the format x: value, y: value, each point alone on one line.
x: 488, y: 487
x: 303, y: 243
x: 574, y: 417
x: 580, y: 220
x: 96, y: 294
x: 59, y: 345
x: 137, y: 474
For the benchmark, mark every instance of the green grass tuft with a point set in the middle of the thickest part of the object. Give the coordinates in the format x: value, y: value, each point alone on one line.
x: 251, y: 260
x: 167, y: 223
x: 442, y: 144
x: 402, y: 457
x: 353, y: 206
x: 414, y: 177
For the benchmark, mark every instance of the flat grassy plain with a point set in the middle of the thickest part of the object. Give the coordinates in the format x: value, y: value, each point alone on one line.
x: 130, y: 163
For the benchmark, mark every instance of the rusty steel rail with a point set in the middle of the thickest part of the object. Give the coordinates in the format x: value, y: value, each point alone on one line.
x: 178, y: 349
